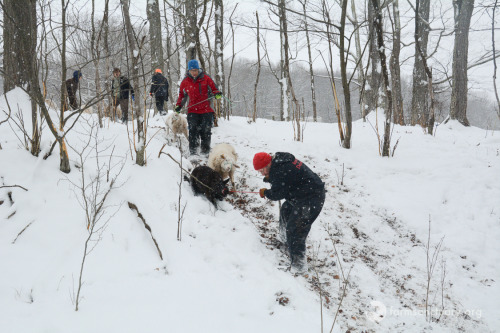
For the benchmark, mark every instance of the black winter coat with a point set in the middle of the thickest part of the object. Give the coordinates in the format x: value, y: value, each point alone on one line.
x: 125, y: 87
x: 159, y: 86
x: 72, y: 87
x: 292, y: 180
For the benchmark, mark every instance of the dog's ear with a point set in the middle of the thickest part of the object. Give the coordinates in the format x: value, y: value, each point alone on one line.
x: 226, y: 181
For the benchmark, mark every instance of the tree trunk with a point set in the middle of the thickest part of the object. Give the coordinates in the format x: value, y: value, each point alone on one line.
x: 311, y: 71
x: 135, y: 55
x: 359, y: 55
x: 375, y: 78
x: 254, y: 117
x: 107, y: 52
x: 190, y: 30
x: 171, y: 84
x: 284, y: 63
x: 20, y: 38
x: 153, y: 13
x: 398, y: 117
x: 96, y: 55
x: 219, y: 51
x: 458, y: 107
x: 381, y: 50
x: 420, y: 98
x: 64, y: 165
x: 345, y: 85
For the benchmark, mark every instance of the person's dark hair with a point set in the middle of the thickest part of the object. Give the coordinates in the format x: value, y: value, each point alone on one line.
x: 116, y: 70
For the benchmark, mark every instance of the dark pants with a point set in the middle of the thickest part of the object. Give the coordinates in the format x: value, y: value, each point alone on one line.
x: 73, y: 102
x: 160, y: 101
x: 297, y: 219
x: 200, y: 128
x: 123, y: 106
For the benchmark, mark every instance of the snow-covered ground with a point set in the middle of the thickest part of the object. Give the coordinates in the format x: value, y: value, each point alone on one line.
x: 228, y: 273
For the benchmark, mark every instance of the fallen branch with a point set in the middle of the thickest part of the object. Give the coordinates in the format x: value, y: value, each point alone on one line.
x: 134, y: 207
x: 13, y: 186
x: 19, y: 234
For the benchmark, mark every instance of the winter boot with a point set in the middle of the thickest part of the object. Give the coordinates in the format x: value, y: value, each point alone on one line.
x: 299, y: 265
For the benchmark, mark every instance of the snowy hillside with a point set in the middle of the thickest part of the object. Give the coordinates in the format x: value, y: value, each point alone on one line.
x: 228, y: 272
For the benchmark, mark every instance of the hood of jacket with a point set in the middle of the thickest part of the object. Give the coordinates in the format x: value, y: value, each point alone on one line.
x: 281, y: 158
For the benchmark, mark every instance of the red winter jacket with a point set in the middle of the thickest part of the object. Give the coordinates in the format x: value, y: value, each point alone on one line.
x: 197, y: 91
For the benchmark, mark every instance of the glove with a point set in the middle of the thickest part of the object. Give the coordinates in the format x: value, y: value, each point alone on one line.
x: 266, y: 180
x: 133, y: 98
x: 178, y: 108
x: 261, y: 192
x: 218, y: 96
x: 150, y: 94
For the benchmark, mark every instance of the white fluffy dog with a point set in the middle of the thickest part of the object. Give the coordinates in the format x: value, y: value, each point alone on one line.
x: 223, y: 159
x: 177, y: 123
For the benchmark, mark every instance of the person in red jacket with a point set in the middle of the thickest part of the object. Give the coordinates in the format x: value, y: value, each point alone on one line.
x: 196, y: 85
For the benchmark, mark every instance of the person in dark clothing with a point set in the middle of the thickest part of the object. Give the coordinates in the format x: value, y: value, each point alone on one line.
x: 71, y: 89
x: 304, y: 193
x: 197, y: 85
x: 159, y: 88
x: 121, y: 89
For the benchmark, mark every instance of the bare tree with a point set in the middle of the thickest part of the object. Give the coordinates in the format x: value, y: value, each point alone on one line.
x: 330, y: 38
x: 458, y: 107
x: 19, y: 56
x: 375, y: 77
x: 284, y: 62
x: 381, y: 50
x: 254, y: 117
x: 93, y: 191
x: 494, y: 57
x: 398, y: 117
x: 219, y: 51
x: 19, y: 42
x: 135, y: 51
x: 63, y: 150
x: 153, y: 13
x: 311, y: 71
x: 170, y: 53
x: 345, y: 84
x: 190, y: 29
x: 429, y: 118
x: 420, y: 98
x: 95, y: 49
x: 359, y: 59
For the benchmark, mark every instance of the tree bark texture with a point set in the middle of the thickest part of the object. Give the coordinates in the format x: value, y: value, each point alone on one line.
x: 311, y: 71
x: 284, y: 63
x: 254, y: 117
x: 381, y: 50
x: 359, y: 56
x: 345, y: 85
x: 190, y: 30
x: 375, y: 77
x: 219, y: 50
x: 135, y: 54
x: 463, y: 13
x: 20, y: 36
x: 420, y: 97
x: 398, y: 117
x: 19, y: 62
x: 155, y: 40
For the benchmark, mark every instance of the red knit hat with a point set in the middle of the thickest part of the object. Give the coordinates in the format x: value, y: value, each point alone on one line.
x: 261, y: 160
